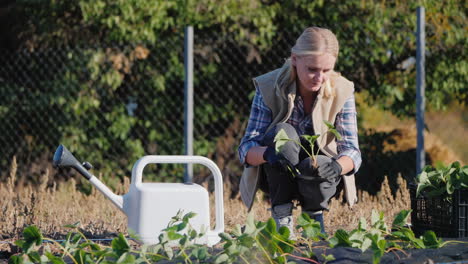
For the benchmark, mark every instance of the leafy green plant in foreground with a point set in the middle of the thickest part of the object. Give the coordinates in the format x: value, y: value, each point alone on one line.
x: 256, y: 242
x: 442, y: 182
x: 380, y: 240
x: 77, y: 248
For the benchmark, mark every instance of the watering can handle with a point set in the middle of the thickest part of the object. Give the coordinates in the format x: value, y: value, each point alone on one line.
x: 137, y: 173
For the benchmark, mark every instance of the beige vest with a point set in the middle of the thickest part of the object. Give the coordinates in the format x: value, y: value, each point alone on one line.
x: 281, y: 103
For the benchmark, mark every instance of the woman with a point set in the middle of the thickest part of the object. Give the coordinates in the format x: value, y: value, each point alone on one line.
x: 298, y: 98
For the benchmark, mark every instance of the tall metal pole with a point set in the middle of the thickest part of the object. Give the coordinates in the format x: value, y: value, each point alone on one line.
x: 188, y: 106
x: 420, y: 87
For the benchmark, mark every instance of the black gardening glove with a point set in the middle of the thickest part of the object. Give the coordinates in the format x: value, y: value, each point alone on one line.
x: 330, y: 170
x: 278, y: 159
x: 270, y: 155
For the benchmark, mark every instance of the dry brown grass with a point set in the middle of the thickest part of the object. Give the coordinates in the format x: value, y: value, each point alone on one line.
x: 50, y: 208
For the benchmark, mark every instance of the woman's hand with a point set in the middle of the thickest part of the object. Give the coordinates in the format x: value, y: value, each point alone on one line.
x: 254, y: 156
x: 330, y: 170
x: 336, y: 168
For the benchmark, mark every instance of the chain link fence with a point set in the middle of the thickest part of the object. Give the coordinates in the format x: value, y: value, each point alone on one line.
x: 112, y: 104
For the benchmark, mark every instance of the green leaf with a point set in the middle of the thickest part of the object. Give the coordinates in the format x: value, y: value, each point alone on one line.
x: 340, y: 239
x: 54, y: 259
x: 250, y: 226
x: 366, y: 243
x: 311, y: 138
x: 184, y: 241
x: 401, y: 218
x: 20, y: 243
x: 126, y: 258
x: 303, y: 220
x: 32, y: 235
x: 225, y: 236
x: 188, y: 216
x: 436, y: 192
x: 237, y: 231
x: 450, y: 187
x: 335, y: 133
x: 328, y: 124
x: 378, y: 248
x: 15, y: 259
x: 80, y: 256
x: 378, y: 254
x: 34, y: 257
x: 362, y: 225
x: 120, y: 245
x: 181, y: 226
x: 91, y: 245
x: 310, y: 228
x: 231, y: 249
x: 247, y: 241
x: 280, y: 140
x: 422, y: 178
x: 284, y: 232
x: 356, y: 237
x: 201, y: 253
x: 270, y: 226
x: 329, y: 257
x: 168, y: 251
x: 430, y: 240
x: 465, y: 169
x: 173, y: 235
x: 192, y: 234
x: 275, y: 241
x: 221, y: 259
x: 375, y: 217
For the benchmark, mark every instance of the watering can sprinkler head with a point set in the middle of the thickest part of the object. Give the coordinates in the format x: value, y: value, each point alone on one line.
x: 64, y: 159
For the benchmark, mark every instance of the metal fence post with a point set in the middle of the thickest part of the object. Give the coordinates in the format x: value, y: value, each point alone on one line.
x: 420, y: 87
x: 188, y: 105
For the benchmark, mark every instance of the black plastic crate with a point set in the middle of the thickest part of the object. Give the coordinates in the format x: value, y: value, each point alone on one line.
x: 444, y: 218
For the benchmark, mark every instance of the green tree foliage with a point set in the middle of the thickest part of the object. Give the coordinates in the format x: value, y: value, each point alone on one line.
x: 377, y: 42
x: 377, y: 37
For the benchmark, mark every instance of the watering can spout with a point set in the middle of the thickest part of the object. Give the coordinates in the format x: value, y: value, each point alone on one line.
x: 63, y: 158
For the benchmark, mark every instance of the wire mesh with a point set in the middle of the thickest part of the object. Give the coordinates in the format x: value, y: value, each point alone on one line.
x: 112, y: 104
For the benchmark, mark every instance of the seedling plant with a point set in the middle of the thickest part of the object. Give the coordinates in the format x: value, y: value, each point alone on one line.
x: 256, y: 242
x: 282, y: 138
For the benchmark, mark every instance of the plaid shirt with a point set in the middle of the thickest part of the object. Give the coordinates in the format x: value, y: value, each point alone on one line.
x: 346, y: 124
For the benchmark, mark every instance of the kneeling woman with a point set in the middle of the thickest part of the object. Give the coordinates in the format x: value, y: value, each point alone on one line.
x: 298, y: 98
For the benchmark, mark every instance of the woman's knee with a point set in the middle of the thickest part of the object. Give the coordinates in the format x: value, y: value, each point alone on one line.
x: 288, y: 129
x: 289, y: 150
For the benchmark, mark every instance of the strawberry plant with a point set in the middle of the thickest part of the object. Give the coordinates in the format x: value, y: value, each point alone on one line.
x: 282, y: 138
x: 380, y: 240
x: 256, y: 242
x: 442, y: 182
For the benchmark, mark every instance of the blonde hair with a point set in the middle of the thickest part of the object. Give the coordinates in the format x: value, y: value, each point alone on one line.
x: 313, y: 41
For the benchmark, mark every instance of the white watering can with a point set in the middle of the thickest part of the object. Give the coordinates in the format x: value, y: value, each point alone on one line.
x: 150, y: 206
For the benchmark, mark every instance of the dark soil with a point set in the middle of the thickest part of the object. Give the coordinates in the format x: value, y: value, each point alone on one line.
x: 453, y: 253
